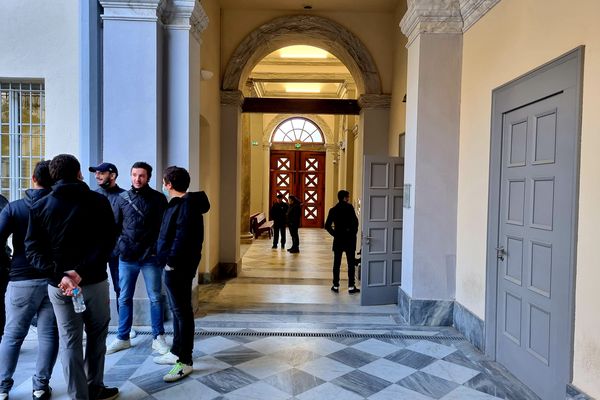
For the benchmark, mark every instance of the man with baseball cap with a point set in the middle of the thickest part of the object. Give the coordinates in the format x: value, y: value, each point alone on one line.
x: 106, y: 178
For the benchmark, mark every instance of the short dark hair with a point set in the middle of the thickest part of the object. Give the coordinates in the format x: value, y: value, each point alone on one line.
x: 342, y: 194
x: 178, y: 177
x: 41, y: 173
x: 64, y: 166
x: 279, y: 196
x: 144, y: 165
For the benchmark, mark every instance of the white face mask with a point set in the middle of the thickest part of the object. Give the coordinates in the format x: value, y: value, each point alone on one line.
x: 166, y: 192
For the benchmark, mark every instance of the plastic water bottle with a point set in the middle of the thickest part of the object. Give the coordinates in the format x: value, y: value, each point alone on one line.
x: 78, y: 302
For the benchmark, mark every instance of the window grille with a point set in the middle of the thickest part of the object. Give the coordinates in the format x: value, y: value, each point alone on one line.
x: 297, y: 130
x: 22, y: 132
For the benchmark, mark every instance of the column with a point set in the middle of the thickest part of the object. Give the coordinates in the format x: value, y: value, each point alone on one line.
x: 184, y: 20
x: 246, y: 169
x: 230, y: 192
x: 434, y: 31
x: 131, y: 102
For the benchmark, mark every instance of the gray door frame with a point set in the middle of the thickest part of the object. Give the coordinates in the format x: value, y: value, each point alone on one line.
x: 535, y: 85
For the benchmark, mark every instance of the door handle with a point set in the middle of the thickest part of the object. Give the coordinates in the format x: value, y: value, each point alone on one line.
x: 500, y: 253
x: 367, y: 239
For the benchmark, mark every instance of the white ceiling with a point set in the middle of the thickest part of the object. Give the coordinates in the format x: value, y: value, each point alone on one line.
x: 318, y: 5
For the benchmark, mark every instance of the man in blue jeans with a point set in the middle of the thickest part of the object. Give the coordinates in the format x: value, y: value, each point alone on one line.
x: 180, y: 249
x: 27, y: 294
x: 141, y: 209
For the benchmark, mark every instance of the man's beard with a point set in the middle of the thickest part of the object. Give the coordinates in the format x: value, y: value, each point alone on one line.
x: 105, y: 184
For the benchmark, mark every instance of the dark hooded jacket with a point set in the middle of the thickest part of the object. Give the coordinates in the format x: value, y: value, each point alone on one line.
x: 141, y: 212
x: 342, y: 224
x: 14, y: 220
x: 182, y: 232
x: 72, y: 228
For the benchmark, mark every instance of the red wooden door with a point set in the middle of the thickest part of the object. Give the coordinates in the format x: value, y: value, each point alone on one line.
x: 300, y: 173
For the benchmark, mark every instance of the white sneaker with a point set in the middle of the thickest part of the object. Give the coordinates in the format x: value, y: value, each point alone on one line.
x: 118, y: 345
x: 160, y: 344
x: 178, y: 371
x: 166, y: 359
x: 132, y: 333
x: 3, y: 396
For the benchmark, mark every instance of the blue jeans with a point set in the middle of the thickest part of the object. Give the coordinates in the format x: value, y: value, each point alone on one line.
x: 24, y: 299
x: 128, y: 274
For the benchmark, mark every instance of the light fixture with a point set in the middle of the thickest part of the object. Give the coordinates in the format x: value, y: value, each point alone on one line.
x: 300, y: 87
x: 302, y: 51
x: 205, y: 75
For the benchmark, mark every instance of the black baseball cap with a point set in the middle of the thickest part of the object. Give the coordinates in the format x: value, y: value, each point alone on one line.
x: 105, y: 167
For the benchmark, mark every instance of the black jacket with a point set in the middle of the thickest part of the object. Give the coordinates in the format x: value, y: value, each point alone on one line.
x: 72, y: 228
x: 279, y: 213
x: 14, y: 220
x: 140, y: 215
x: 113, y: 196
x: 182, y: 232
x: 4, y: 255
x: 342, y: 224
x: 294, y: 214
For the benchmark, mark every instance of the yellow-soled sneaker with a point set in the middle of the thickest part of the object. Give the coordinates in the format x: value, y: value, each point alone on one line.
x: 179, y: 371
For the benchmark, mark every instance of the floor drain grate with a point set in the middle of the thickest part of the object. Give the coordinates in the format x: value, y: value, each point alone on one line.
x: 316, y: 335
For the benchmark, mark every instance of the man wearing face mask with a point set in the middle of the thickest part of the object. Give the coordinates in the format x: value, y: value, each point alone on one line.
x: 106, y: 177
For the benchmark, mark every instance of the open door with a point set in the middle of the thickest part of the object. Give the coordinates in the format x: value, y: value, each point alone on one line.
x: 381, y: 229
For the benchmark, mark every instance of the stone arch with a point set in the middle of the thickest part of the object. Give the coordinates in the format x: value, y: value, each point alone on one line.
x: 308, y: 30
x: 318, y: 120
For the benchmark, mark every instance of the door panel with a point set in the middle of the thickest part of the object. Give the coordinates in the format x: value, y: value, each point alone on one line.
x: 534, y: 242
x: 300, y: 173
x: 382, y: 230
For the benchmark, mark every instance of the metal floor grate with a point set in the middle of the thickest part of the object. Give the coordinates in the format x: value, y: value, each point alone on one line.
x: 314, y: 334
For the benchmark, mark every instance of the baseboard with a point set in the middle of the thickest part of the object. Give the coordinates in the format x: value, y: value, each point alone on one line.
x: 574, y: 393
x: 220, y: 272
x: 425, y: 312
x: 470, y: 325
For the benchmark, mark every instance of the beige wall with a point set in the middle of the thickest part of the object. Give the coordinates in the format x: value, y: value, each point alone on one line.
x: 398, y: 108
x: 512, y: 39
x: 209, y: 133
x: 370, y: 28
x: 40, y: 40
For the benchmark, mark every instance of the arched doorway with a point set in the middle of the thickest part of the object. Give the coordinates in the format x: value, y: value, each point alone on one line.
x: 299, y: 171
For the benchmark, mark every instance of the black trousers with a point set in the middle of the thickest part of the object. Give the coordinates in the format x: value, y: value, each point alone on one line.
x: 179, y: 294
x: 113, y: 266
x: 295, y: 237
x: 277, y: 229
x: 337, y: 261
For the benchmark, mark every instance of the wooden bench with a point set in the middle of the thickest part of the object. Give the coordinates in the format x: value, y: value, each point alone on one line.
x: 260, y: 225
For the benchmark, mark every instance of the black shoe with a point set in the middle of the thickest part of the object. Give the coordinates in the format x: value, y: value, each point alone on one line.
x: 274, y: 246
x: 335, y: 289
x: 283, y: 246
x: 104, y: 393
x: 353, y: 289
x: 294, y: 250
x: 42, y: 394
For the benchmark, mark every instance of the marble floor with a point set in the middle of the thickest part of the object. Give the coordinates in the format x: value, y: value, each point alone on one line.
x: 278, y: 332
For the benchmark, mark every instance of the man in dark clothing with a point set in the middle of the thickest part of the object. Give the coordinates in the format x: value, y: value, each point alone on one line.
x: 27, y: 294
x: 106, y: 177
x: 140, y: 209
x: 179, y: 249
x: 342, y: 224
x: 70, y: 237
x: 278, y: 214
x: 4, y: 266
x: 294, y: 214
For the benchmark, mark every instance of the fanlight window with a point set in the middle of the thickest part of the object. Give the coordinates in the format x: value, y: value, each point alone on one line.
x: 297, y: 130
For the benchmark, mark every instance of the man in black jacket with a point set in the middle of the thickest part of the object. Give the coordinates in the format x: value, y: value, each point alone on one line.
x: 279, y: 215
x: 294, y: 215
x: 342, y: 224
x: 140, y: 209
x: 70, y: 236
x: 4, y: 266
x: 180, y: 249
x: 27, y: 294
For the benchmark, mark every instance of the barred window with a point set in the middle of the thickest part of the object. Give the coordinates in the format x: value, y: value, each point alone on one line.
x: 297, y: 130
x: 22, y: 131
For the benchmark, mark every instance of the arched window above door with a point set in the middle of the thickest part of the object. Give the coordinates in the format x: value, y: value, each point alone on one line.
x: 297, y: 130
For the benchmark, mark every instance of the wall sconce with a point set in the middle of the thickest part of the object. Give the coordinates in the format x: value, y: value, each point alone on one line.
x: 205, y: 75
x: 342, y: 145
x: 404, y: 99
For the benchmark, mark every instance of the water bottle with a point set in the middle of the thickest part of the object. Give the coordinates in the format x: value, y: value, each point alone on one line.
x: 78, y: 302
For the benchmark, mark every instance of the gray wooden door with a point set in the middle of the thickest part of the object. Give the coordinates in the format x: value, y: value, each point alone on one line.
x: 535, y: 239
x: 381, y: 224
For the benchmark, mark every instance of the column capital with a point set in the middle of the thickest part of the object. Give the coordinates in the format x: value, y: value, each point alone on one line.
x: 184, y: 14
x: 442, y: 16
x: 131, y: 10
x: 232, y: 98
x: 375, y: 101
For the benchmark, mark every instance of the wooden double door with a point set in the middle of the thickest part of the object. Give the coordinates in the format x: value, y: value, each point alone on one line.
x: 302, y: 174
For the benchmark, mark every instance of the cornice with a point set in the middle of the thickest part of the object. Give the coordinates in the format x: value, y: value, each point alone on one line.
x: 375, y: 101
x: 184, y: 15
x: 130, y: 10
x: 232, y: 98
x: 442, y: 16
